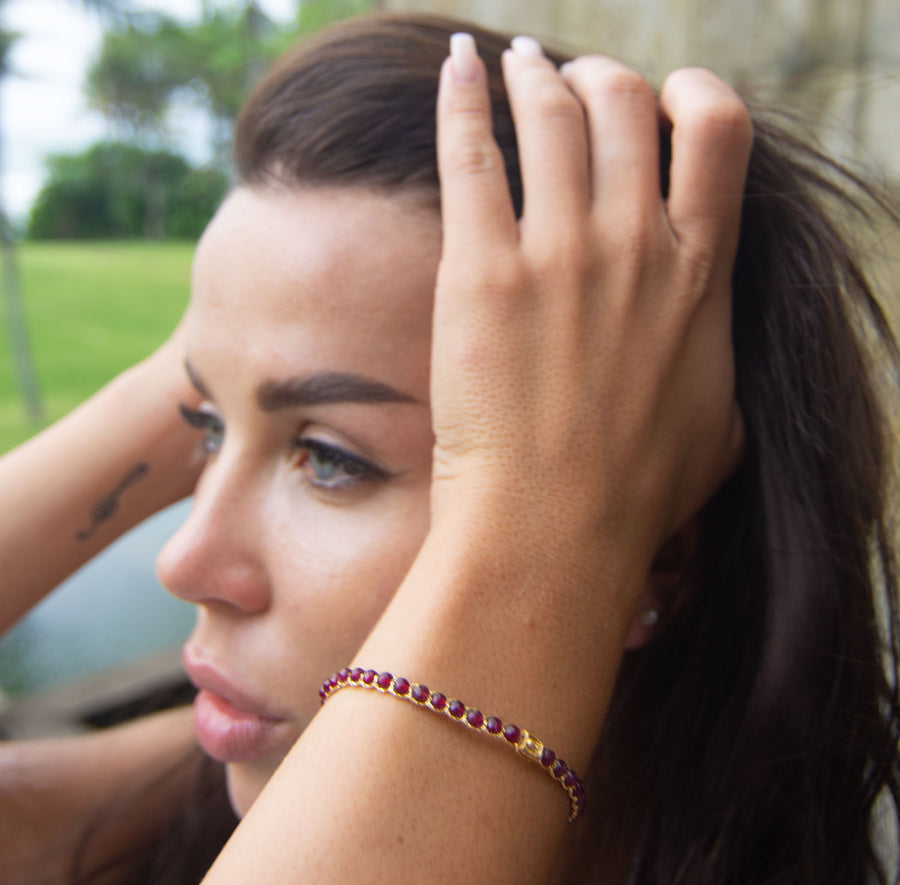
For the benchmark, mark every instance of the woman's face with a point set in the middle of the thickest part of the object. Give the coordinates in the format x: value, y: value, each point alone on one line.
x: 309, y: 338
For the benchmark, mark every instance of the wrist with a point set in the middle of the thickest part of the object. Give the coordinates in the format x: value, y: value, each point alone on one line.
x: 526, y: 631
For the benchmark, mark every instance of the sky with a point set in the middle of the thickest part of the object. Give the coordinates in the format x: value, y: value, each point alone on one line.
x: 42, y: 106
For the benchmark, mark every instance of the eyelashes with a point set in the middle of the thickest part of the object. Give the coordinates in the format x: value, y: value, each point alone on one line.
x: 327, y: 466
x: 323, y: 464
x: 210, y: 423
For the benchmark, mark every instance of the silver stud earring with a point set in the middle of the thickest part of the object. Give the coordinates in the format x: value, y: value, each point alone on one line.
x: 650, y: 617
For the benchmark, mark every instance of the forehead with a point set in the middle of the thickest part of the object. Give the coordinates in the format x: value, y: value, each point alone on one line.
x: 288, y: 280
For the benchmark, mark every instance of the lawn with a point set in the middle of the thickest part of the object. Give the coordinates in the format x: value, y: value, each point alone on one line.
x: 92, y: 310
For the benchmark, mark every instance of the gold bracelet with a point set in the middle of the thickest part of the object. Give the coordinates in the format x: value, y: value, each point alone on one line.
x: 526, y: 744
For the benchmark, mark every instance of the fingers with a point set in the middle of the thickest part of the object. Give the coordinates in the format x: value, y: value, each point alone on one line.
x: 475, y: 199
x: 550, y: 128
x: 624, y: 138
x: 711, y: 139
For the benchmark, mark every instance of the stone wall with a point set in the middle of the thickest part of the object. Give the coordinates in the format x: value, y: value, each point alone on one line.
x: 838, y: 61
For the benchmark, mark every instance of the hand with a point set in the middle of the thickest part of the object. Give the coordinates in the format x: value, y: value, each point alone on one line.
x: 582, y: 372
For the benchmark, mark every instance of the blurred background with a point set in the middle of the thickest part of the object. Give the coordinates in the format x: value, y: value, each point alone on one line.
x: 115, y: 129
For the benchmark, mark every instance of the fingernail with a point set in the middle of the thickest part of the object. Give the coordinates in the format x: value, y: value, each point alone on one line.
x: 565, y: 68
x: 526, y: 46
x: 465, y: 57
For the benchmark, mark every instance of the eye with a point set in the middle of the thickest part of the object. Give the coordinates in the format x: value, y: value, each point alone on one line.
x: 329, y: 467
x: 211, y: 424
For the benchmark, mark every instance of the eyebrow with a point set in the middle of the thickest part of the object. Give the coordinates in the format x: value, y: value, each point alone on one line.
x: 321, y: 388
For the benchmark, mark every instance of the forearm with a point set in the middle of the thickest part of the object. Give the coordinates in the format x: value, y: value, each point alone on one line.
x: 81, y: 483
x: 375, y: 785
x: 53, y: 792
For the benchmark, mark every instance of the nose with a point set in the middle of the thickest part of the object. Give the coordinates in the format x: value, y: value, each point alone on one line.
x: 217, y: 556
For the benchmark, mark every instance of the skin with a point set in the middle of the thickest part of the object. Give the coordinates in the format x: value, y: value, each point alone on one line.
x: 582, y: 405
x: 289, y: 575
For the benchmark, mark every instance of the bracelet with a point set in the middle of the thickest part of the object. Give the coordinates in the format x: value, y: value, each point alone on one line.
x: 527, y: 745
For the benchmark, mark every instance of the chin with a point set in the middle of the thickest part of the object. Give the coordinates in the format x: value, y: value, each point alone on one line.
x: 244, y: 784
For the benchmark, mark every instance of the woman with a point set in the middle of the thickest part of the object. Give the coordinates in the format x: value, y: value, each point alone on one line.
x: 630, y: 492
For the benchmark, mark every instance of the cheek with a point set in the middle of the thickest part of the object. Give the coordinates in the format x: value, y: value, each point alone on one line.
x: 337, y: 575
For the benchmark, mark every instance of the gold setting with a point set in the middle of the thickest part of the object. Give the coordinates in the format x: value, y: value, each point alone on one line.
x: 527, y: 745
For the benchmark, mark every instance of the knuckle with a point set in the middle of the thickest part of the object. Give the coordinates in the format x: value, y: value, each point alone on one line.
x: 711, y: 106
x: 565, y: 256
x: 602, y: 78
x: 617, y: 81
x: 472, y: 156
x: 558, y: 104
x: 621, y: 82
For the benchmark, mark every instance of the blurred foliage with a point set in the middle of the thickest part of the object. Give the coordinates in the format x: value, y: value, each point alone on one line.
x: 149, y: 62
x: 115, y: 190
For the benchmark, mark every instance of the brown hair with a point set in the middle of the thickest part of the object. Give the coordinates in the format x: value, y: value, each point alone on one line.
x: 751, y: 742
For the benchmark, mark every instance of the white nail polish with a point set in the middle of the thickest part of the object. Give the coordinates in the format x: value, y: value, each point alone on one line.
x: 465, y: 57
x: 526, y: 46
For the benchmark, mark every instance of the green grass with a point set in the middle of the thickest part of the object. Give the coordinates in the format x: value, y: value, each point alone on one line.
x: 93, y: 309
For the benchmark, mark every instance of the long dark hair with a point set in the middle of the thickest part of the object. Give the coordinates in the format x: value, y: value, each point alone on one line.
x: 752, y: 742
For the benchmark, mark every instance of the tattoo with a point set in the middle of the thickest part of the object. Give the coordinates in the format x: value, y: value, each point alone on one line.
x: 109, y: 504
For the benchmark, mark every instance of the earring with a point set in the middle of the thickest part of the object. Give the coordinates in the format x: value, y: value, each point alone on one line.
x: 650, y: 617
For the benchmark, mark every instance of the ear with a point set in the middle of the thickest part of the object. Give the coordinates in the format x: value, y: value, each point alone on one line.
x: 666, y: 593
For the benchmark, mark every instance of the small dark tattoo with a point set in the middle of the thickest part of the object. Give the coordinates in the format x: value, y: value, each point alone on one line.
x: 109, y: 504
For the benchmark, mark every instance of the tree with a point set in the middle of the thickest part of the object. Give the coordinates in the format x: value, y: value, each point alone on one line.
x: 144, y: 66
x: 103, y: 193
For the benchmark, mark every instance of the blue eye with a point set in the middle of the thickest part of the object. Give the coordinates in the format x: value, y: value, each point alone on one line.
x: 329, y: 467
x: 212, y: 426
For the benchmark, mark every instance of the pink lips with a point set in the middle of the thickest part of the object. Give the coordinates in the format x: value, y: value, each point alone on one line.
x: 230, y: 726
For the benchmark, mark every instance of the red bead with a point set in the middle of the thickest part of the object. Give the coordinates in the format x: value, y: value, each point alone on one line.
x: 401, y: 685
x: 385, y: 680
x: 343, y: 674
x: 438, y: 701
x: 512, y: 733
x: 420, y: 693
x: 548, y: 757
x: 323, y: 695
x: 493, y: 725
x: 560, y: 769
x: 456, y: 709
x: 571, y: 779
x: 355, y: 674
x: 474, y: 718
x: 369, y: 677
x: 333, y: 680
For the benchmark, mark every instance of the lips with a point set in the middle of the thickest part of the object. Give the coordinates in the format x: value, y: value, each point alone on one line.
x: 231, y: 726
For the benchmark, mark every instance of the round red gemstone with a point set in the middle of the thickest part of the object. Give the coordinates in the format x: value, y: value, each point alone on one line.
x: 355, y: 674
x: 474, y: 718
x: 438, y: 701
x: 385, y: 680
x: 512, y: 733
x: 571, y: 779
x: 420, y: 693
x: 369, y: 677
x: 548, y: 757
x: 560, y: 769
x: 343, y: 674
x: 493, y: 725
x: 456, y: 709
x: 401, y: 685
x: 323, y: 695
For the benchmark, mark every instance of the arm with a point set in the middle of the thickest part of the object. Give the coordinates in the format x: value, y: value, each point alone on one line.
x: 70, y: 491
x: 583, y: 403
x: 51, y: 790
